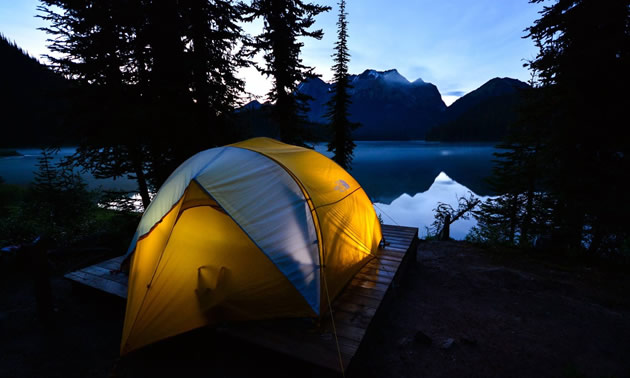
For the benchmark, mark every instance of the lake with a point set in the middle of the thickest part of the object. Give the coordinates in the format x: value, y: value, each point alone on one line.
x: 19, y: 170
x: 405, y: 180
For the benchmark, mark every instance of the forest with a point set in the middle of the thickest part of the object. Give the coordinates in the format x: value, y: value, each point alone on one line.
x: 132, y: 70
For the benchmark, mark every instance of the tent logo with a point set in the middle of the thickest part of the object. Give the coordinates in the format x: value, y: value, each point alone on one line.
x: 341, y: 186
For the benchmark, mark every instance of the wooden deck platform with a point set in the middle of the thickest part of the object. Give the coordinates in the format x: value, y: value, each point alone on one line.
x: 353, y: 311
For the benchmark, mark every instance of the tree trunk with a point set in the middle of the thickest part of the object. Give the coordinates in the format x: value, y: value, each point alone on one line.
x: 141, y: 179
x: 445, y: 234
x: 527, y: 219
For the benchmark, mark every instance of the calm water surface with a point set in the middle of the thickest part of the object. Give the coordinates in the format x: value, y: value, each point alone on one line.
x: 405, y: 180
x: 20, y: 170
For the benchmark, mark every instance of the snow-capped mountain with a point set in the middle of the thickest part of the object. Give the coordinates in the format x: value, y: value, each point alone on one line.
x: 387, y: 105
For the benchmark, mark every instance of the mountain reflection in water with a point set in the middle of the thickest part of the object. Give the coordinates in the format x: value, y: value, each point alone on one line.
x: 407, y: 179
x: 417, y: 211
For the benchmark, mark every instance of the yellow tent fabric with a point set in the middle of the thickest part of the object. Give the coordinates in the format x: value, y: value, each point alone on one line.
x: 253, y: 230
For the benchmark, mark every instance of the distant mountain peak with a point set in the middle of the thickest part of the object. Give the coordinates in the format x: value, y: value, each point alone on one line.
x: 443, y: 178
x: 498, y: 86
x: 254, y: 104
x: 419, y: 81
x: 389, y: 76
x: 483, y: 114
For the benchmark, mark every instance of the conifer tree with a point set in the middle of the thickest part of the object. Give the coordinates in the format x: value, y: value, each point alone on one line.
x: 583, y: 65
x: 93, y: 48
x: 284, y: 22
x: 59, y: 202
x: 144, y: 71
x: 568, y: 151
x: 341, y: 143
x: 217, y: 48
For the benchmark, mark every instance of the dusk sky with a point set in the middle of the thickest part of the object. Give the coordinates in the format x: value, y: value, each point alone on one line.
x: 455, y: 44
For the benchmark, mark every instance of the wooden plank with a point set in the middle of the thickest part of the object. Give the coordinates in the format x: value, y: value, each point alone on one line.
x: 317, y: 353
x: 106, y: 274
x: 356, y: 299
x: 382, y: 256
x: 398, y: 231
x: 113, y: 264
x: 392, y: 233
x: 398, y: 236
x: 301, y: 338
x: 375, y: 294
x: 353, y: 310
x: 395, y: 248
x: 398, y: 242
x: 349, y: 332
x: 378, y: 275
x: 97, y: 282
x: 368, y: 284
x: 388, y: 229
x: 356, y: 319
x: 390, y: 256
x: 383, y: 264
x: 374, y: 278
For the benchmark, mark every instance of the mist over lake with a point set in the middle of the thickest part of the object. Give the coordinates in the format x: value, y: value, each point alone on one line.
x: 20, y: 170
x: 404, y: 179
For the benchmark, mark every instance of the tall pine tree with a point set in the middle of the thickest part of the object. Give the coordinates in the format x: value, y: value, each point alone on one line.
x: 284, y: 22
x: 217, y: 48
x: 145, y: 71
x: 341, y: 143
x: 568, y: 153
x: 93, y: 47
x: 583, y: 65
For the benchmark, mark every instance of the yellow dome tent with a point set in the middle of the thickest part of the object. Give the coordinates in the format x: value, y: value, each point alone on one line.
x: 258, y: 229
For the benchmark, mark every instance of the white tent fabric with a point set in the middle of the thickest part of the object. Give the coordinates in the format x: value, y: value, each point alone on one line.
x: 281, y: 225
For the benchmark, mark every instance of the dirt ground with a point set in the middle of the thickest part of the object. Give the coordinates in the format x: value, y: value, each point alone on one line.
x: 460, y: 311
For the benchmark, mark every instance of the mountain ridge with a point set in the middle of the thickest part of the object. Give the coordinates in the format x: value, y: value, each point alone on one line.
x: 484, y: 114
x: 381, y: 98
x: 31, y: 111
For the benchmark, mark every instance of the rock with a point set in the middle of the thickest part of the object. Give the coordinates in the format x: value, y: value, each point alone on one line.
x: 447, y: 344
x: 422, y: 338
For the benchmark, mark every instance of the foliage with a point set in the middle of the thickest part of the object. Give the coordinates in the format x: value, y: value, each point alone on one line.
x: 57, y: 204
x: 564, y: 159
x: 10, y: 195
x: 120, y: 200
x: 341, y: 143
x: 584, y: 54
x: 445, y: 215
x: 142, y: 70
x: 285, y: 21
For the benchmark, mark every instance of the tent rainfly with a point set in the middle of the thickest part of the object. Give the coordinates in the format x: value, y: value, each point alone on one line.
x: 254, y: 230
